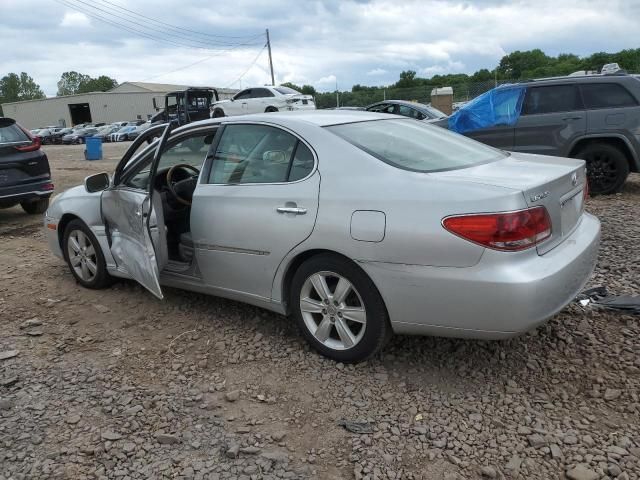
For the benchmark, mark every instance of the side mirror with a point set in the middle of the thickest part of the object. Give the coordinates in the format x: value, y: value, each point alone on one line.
x: 97, y: 183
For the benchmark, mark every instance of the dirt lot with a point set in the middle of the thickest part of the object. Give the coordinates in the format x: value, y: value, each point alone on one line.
x: 117, y: 384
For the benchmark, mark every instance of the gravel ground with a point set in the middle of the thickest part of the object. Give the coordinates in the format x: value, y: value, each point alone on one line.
x: 117, y: 384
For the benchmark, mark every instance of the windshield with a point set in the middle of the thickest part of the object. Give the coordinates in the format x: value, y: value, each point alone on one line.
x: 80, y: 131
x: 415, y: 146
x: 286, y: 91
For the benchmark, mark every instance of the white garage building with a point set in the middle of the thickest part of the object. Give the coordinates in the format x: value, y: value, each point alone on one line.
x: 126, y: 102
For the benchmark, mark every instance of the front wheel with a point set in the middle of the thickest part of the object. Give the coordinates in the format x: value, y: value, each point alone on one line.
x: 607, y: 168
x: 338, y: 309
x: 35, y: 207
x: 84, y: 256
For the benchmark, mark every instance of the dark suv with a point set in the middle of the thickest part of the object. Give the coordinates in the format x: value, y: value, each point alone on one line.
x: 25, y: 177
x: 595, y: 118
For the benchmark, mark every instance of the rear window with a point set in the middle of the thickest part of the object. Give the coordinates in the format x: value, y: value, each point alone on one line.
x: 606, y: 95
x: 286, y: 91
x: 415, y: 146
x: 13, y: 133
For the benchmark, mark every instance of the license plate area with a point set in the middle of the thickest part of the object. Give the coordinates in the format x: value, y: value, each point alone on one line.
x: 570, y: 210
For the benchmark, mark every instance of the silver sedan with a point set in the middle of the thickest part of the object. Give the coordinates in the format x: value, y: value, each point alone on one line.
x: 357, y: 224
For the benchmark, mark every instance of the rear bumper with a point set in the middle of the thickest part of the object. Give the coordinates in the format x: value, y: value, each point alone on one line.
x: 503, y: 295
x: 30, y: 191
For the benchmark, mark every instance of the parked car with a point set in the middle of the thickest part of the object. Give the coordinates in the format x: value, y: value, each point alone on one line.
x: 56, y: 138
x: 138, y: 130
x: 25, y: 176
x: 105, y: 132
x: 78, y: 136
x: 122, y: 135
x: 46, y: 135
x: 263, y: 99
x: 594, y: 117
x: 416, y: 110
x: 247, y: 217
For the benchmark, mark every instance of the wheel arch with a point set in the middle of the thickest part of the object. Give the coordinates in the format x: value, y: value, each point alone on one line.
x: 618, y: 141
x: 294, y: 264
x: 62, y: 226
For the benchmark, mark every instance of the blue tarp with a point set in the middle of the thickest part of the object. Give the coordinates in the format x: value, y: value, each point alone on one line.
x: 500, y: 106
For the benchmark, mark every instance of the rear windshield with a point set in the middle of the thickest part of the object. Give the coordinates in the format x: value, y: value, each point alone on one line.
x: 13, y: 133
x: 416, y: 146
x: 286, y: 91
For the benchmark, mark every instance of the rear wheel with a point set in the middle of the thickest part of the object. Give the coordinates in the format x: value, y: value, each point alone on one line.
x: 84, y: 256
x: 607, y: 168
x: 338, y: 309
x: 271, y: 109
x: 217, y: 113
x: 36, y: 206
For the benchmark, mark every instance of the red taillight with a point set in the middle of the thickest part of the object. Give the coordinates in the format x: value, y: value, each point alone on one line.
x: 35, y: 143
x: 47, y: 187
x: 585, y: 191
x: 508, y: 231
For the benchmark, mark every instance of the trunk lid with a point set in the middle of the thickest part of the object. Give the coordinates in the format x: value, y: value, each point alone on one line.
x: 552, y: 182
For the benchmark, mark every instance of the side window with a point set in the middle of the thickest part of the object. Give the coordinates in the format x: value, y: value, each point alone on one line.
x: 551, y: 99
x: 191, y: 150
x: 606, y: 95
x: 407, y: 111
x: 260, y: 93
x: 378, y: 108
x: 257, y: 154
x: 302, y: 163
x: 243, y: 95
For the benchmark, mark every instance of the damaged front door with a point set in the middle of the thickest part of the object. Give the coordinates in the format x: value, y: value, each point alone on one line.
x: 127, y: 210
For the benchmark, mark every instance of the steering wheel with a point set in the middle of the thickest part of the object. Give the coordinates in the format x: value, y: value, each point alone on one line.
x: 172, y: 185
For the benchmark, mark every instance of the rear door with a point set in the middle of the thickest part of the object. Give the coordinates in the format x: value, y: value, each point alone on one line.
x: 610, y: 108
x: 260, y: 99
x: 552, y: 119
x: 257, y: 199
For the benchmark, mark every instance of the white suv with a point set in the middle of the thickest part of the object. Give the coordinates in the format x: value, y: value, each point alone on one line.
x: 263, y: 99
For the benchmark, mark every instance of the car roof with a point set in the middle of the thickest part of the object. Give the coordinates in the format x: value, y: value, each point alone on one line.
x: 614, y: 78
x: 321, y: 118
x: 402, y: 102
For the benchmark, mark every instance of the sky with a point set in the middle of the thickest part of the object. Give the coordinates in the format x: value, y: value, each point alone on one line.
x: 323, y: 43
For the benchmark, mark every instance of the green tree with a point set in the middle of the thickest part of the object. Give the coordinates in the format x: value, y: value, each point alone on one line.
x: 70, y: 82
x: 517, y: 63
x: 407, y: 79
x: 100, y: 84
x: 15, y: 88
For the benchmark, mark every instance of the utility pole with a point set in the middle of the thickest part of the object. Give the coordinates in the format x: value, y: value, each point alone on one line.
x: 273, y: 81
x: 337, y: 95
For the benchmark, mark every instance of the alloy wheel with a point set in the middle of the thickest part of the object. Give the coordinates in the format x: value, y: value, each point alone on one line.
x: 333, y: 310
x: 82, y: 255
x: 602, y: 171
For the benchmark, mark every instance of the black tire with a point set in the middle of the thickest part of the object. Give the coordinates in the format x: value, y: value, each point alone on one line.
x: 377, y: 329
x: 36, y: 206
x: 271, y: 110
x: 607, y: 167
x: 101, y: 279
x: 218, y: 113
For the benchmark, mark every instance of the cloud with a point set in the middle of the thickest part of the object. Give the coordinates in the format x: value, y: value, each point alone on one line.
x: 366, y: 42
x: 75, y: 19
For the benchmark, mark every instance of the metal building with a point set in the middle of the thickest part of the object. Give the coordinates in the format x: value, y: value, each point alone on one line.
x: 126, y: 102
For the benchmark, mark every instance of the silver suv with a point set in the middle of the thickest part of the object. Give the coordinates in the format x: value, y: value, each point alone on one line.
x: 595, y: 118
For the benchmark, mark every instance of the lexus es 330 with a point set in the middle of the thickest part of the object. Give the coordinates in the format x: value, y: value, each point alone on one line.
x: 357, y: 224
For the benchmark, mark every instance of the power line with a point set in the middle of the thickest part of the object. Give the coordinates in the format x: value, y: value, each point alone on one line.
x: 196, y: 63
x: 248, y: 68
x: 173, y: 26
x: 156, y: 32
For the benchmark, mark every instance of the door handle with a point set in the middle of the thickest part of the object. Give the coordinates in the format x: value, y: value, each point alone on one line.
x: 295, y: 210
x: 568, y: 119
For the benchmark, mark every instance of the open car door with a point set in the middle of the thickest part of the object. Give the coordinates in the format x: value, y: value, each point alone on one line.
x: 127, y: 213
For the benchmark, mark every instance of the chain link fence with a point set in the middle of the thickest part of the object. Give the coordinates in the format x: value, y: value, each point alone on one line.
x: 462, y: 92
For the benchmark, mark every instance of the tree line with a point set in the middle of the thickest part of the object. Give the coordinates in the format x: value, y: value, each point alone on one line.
x: 518, y: 65
x: 18, y: 87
